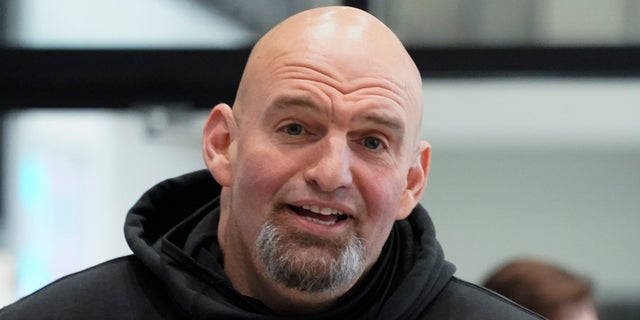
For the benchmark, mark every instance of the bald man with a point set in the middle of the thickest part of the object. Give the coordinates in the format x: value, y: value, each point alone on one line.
x: 309, y: 207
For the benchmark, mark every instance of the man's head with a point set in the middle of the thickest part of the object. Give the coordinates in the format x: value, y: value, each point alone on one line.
x: 318, y: 158
x: 545, y: 288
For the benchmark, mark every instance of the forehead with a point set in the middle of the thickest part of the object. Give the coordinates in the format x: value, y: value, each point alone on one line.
x: 348, y: 78
x: 350, y: 75
x: 363, y: 63
x: 331, y: 84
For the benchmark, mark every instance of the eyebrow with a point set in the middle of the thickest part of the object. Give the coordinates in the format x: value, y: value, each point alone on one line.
x: 306, y: 102
x: 390, y: 122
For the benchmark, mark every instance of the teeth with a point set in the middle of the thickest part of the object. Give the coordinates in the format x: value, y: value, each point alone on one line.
x: 322, y: 211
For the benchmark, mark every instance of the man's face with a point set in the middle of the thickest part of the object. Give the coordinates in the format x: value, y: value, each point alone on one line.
x: 321, y: 156
x: 320, y: 169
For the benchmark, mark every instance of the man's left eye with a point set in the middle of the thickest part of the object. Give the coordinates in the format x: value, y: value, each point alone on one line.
x: 293, y: 129
x: 371, y: 143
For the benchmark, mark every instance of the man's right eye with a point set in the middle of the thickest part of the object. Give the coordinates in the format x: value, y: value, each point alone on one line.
x: 293, y: 129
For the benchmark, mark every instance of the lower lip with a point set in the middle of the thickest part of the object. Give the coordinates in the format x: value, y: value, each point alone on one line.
x: 321, y: 229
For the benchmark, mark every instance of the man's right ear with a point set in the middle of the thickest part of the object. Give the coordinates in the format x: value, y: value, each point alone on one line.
x: 217, y: 137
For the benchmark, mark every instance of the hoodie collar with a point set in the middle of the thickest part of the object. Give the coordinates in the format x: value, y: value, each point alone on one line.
x: 173, y: 231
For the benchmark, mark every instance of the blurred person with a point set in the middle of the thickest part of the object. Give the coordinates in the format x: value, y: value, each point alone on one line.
x: 309, y: 207
x: 545, y: 288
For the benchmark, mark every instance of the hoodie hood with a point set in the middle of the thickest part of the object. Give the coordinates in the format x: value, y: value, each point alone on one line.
x: 172, y: 229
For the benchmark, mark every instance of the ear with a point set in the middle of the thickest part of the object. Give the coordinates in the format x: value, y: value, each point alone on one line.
x: 416, y: 180
x: 217, y: 138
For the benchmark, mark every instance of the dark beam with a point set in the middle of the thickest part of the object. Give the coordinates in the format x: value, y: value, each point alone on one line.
x: 118, y: 78
x: 528, y: 61
x: 360, y: 4
x: 202, y: 78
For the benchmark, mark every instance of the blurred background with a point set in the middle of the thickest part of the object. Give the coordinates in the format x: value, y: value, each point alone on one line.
x: 532, y: 108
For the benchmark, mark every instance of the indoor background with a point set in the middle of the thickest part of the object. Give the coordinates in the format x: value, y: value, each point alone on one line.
x: 532, y: 108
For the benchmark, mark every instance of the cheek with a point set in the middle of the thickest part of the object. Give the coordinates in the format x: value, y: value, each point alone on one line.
x: 382, y: 189
x: 260, y: 172
x: 257, y: 170
x: 255, y: 178
x: 382, y: 194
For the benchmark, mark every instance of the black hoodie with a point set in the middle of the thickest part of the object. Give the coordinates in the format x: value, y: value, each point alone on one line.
x: 176, y: 273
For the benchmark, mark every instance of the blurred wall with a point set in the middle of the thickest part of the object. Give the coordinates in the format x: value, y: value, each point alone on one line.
x: 70, y: 176
x: 537, y: 167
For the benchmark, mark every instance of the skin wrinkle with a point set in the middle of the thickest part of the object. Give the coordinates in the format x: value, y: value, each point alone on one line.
x: 387, y: 121
x: 392, y: 131
x: 326, y: 75
x: 349, y: 90
x: 344, y: 86
x: 322, y: 72
x: 363, y: 89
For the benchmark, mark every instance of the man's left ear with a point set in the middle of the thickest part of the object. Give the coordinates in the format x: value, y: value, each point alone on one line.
x: 416, y: 181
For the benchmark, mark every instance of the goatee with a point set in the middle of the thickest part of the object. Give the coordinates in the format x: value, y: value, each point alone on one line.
x: 306, y: 262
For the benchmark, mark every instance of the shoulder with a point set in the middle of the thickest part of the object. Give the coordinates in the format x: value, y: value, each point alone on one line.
x: 464, y: 300
x: 120, y: 287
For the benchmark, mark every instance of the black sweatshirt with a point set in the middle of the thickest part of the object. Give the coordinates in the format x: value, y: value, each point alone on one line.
x: 176, y: 273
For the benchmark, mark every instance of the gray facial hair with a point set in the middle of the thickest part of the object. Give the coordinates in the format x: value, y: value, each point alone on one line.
x: 277, y: 252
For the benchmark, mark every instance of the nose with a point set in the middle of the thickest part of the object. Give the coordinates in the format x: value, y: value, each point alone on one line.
x: 331, y: 168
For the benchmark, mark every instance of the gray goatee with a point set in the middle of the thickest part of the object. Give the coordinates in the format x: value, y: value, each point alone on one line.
x: 282, y: 251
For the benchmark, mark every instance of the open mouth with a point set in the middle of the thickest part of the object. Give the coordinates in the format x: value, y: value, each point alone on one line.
x: 323, y: 216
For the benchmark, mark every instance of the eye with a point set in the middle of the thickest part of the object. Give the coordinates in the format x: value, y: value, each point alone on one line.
x: 293, y: 129
x: 371, y: 143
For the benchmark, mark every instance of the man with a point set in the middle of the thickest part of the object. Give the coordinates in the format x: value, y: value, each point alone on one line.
x: 314, y: 209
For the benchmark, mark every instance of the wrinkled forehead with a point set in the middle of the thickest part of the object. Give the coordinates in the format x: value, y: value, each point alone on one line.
x: 351, y: 44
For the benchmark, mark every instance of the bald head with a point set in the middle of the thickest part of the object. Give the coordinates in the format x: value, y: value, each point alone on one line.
x: 354, y: 40
x: 327, y: 113
x: 345, y: 31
